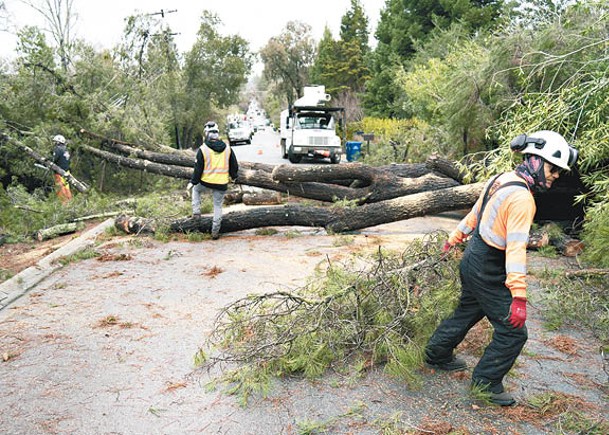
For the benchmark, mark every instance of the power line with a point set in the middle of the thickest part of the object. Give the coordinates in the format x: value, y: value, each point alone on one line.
x: 162, y: 12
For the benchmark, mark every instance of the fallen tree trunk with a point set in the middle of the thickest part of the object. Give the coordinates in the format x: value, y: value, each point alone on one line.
x: 553, y: 235
x: 111, y: 141
x: 78, y: 185
x: 445, y: 167
x: 135, y: 225
x: 143, y: 165
x: 374, y: 184
x: 379, y: 185
x: 58, y: 230
x: 337, y: 219
x: 262, y: 198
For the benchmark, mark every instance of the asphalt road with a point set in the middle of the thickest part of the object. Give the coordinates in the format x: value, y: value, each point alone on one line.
x: 265, y: 148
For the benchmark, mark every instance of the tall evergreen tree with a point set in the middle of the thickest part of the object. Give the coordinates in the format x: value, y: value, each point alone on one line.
x: 341, y: 65
x: 323, y: 71
x: 354, y: 27
x: 404, y: 24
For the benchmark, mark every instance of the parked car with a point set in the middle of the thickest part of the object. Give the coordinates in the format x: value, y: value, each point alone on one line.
x: 239, y: 132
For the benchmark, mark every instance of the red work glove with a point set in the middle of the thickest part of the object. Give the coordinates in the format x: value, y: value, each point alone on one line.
x: 445, y: 250
x: 518, y: 312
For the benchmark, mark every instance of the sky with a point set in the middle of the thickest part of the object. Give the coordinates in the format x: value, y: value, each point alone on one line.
x: 101, y: 23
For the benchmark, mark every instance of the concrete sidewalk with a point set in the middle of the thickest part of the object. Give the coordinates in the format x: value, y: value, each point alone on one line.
x: 20, y: 284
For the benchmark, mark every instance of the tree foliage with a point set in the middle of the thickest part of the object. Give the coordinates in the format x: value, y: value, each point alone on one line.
x: 406, y: 23
x: 288, y: 58
x: 142, y: 91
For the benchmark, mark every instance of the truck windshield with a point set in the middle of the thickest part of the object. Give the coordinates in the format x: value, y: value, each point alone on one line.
x: 315, y: 122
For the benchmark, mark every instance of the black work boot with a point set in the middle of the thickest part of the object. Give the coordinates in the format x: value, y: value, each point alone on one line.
x: 454, y: 365
x: 502, y: 399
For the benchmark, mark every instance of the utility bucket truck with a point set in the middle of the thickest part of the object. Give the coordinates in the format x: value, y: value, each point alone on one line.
x: 308, y: 128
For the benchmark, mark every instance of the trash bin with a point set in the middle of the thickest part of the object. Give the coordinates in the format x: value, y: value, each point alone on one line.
x: 354, y: 150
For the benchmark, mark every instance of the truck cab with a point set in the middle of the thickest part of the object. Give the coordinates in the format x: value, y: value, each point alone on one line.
x: 308, y: 128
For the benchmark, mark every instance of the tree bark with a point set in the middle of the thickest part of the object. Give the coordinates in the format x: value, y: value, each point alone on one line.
x: 378, y: 184
x: 337, y: 219
x: 374, y: 184
x: 58, y: 230
x: 135, y: 225
x: 144, y: 165
x: 445, y: 167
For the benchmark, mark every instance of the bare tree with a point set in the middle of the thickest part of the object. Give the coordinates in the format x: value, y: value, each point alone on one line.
x: 60, y: 18
x: 3, y: 17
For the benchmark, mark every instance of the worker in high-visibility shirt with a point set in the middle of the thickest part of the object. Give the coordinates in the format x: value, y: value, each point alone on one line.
x: 215, y: 166
x: 493, y: 267
x: 61, y: 157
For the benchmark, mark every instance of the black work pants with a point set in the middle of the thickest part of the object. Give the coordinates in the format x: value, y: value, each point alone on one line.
x: 483, y: 293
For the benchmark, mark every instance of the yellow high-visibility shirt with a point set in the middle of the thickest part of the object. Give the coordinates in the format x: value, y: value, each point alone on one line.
x: 215, y: 166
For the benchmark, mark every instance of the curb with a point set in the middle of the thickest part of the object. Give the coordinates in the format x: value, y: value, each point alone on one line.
x: 24, y: 281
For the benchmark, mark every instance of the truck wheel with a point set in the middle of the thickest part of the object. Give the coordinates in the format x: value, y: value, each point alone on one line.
x: 294, y: 158
x: 284, y: 154
x: 335, y: 158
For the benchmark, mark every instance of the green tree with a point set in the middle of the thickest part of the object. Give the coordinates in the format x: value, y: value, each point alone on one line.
x: 354, y: 27
x: 215, y: 70
x: 323, y: 70
x: 288, y: 58
x: 403, y: 26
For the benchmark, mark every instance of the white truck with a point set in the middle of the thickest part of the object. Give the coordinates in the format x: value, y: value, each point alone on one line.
x: 308, y: 128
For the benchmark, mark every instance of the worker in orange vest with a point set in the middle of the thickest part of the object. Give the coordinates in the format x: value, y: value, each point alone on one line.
x: 493, y: 267
x: 61, y: 157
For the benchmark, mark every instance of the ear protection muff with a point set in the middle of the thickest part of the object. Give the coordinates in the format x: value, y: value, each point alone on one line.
x: 520, y: 142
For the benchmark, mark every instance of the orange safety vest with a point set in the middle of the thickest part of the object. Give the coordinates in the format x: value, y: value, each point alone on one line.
x: 505, y: 225
x: 215, y: 165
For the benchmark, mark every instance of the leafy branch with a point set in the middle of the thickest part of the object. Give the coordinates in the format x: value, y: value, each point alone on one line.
x: 369, y: 311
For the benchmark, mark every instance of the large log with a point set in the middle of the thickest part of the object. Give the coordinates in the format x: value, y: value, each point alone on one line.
x: 445, y: 167
x: 337, y: 219
x: 380, y: 185
x: 58, y: 230
x: 144, y: 165
x: 375, y: 184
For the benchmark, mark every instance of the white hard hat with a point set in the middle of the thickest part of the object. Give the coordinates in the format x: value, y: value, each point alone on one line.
x: 59, y: 139
x: 548, y: 145
x: 211, y: 126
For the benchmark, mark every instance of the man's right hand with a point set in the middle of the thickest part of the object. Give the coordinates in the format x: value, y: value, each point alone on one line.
x: 446, y: 250
x: 189, y: 189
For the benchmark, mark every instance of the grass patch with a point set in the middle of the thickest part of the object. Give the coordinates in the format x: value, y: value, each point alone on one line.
x: 579, y: 302
x: 266, y: 232
x: 84, y: 254
x: 5, y: 275
x: 343, y: 240
x: 291, y: 234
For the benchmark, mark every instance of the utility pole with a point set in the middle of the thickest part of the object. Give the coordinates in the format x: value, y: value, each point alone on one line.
x: 166, y: 34
x: 163, y: 12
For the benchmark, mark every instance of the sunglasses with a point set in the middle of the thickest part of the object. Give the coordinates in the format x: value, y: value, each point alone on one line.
x: 557, y: 169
